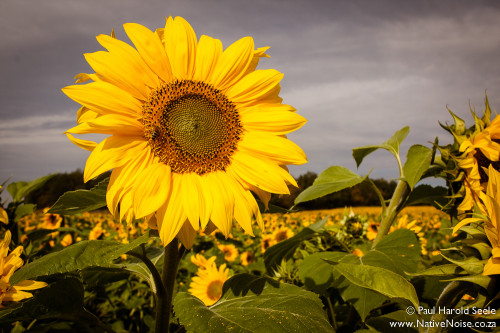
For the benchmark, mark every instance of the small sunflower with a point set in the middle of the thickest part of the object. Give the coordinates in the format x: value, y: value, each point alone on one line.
x: 230, y: 252
x: 193, y: 129
x: 266, y: 242
x: 9, y: 263
x: 372, y: 230
x: 51, y: 221
x: 207, y: 285
x: 281, y: 234
x: 247, y: 258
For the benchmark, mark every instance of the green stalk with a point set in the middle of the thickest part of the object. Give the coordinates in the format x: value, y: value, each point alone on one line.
x: 164, y: 299
x: 398, y: 199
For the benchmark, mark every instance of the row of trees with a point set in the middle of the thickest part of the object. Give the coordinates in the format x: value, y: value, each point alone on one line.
x: 360, y: 195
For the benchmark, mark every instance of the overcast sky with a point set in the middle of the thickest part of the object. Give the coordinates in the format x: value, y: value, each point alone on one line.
x: 357, y: 70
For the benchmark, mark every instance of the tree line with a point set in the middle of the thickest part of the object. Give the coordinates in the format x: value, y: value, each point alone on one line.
x: 359, y: 195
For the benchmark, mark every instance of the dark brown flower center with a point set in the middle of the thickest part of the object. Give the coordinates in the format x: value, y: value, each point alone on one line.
x: 191, y: 126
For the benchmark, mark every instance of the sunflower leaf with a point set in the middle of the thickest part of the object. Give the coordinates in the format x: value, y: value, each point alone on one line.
x: 91, y: 253
x: 417, y: 162
x: 80, y: 201
x: 18, y: 190
x: 333, y: 179
x: 380, y: 280
x: 391, y: 145
x: 254, y: 304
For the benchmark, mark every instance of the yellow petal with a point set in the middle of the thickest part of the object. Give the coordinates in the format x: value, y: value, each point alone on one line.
x: 254, y: 86
x: 84, y: 144
x: 171, y: 216
x: 30, y: 285
x: 243, y: 210
x: 84, y: 77
x: 151, y: 49
x: 104, y: 98
x: 257, y: 54
x: 109, y: 67
x: 465, y: 222
x: 265, y: 175
x: 125, y: 177
x: 192, y: 201
x: 206, y: 192
x: 110, y: 124
x: 131, y: 61
x: 207, y: 54
x: 152, y: 189
x: 85, y: 114
x: 180, y: 45
x: 223, y: 201
x: 4, y: 218
x: 273, y: 147
x: 113, y: 152
x: 274, y: 121
x: 233, y: 63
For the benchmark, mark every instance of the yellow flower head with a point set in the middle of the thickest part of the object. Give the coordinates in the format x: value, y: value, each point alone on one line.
x: 479, y: 151
x: 207, y: 285
x: 97, y: 232
x: 372, y: 230
x: 9, y: 263
x: 247, y: 258
x: 202, y: 262
x: 193, y: 129
x: 51, y: 221
x: 358, y: 252
x: 230, y: 251
x: 266, y: 242
x: 281, y: 234
x: 67, y: 240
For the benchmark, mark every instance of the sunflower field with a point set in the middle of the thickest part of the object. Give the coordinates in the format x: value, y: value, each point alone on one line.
x: 181, y: 237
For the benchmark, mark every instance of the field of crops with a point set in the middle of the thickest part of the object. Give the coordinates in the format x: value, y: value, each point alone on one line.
x: 124, y: 302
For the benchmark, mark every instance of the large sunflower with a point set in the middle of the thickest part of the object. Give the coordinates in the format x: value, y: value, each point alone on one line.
x: 194, y: 129
x: 479, y: 151
x: 489, y: 207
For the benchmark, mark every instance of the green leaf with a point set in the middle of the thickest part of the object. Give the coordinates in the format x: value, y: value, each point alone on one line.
x: 18, y: 190
x: 440, y: 270
x: 92, y: 253
x: 285, y: 249
x: 80, y: 201
x: 379, y: 279
x: 426, y: 194
x: 23, y: 210
x: 138, y: 267
x: 333, y: 179
x: 316, y: 273
x: 391, y: 145
x: 484, y: 281
x: 417, y: 162
x: 399, y: 252
x: 254, y: 304
x: 471, y: 264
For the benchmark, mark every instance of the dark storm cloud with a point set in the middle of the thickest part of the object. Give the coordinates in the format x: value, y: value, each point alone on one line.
x: 357, y: 70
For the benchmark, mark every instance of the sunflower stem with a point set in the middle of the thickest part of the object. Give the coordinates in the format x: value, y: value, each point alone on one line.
x: 164, y: 299
x: 398, y: 199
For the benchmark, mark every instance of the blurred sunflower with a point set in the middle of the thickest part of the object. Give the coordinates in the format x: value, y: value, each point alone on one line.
x: 266, y: 242
x: 207, y: 285
x: 282, y: 234
x: 230, y: 251
x: 51, y: 221
x: 247, y: 258
x: 9, y: 263
x: 194, y: 129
